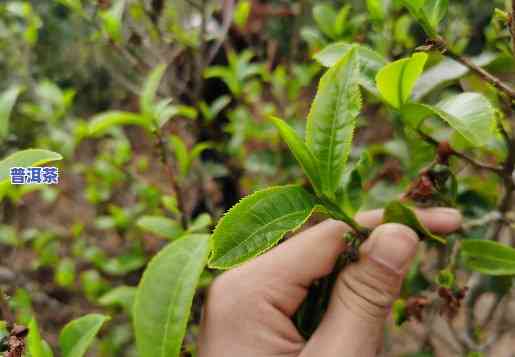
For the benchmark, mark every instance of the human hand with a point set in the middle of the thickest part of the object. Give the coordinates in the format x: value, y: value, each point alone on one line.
x: 249, y: 309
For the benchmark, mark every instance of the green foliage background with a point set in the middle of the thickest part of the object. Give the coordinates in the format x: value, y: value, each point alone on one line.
x: 161, y: 116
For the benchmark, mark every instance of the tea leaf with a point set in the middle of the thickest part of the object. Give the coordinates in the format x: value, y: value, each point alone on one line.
x: 149, y: 92
x: 258, y: 222
x: 160, y: 226
x: 165, y: 295
x: 396, y: 212
x: 488, y: 257
x: 421, y: 10
x: 7, y: 101
x: 446, y: 72
x: 77, y: 335
x: 332, y: 119
x: 369, y: 60
x: 325, y: 17
x: 435, y: 11
x: 37, y: 347
x: 396, y: 80
x: 99, y: 124
x: 26, y: 158
x: 304, y: 156
x: 470, y: 114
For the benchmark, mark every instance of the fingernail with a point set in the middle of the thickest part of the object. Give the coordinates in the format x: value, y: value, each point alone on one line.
x: 393, y: 246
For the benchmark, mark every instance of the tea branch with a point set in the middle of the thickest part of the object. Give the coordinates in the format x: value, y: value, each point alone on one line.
x: 483, y: 166
x: 167, y: 165
x: 440, y: 44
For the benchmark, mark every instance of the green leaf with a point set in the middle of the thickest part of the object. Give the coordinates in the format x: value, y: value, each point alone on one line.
x: 353, y: 193
x: 325, y: 18
x: 241, y: 13
x: 419, y: 10
x: 435, y: 11
x: 396, y: 80
x: 160, y: 226
x: 376, y: 9
x: 447, y: 72
x: 369, y: 60
x: 112, y: 20
x: 77, y: 335
x: 7, y: 101
x: 181, y: 154
x: 200, y: 224
x: 488, y: 257
x: 65, y: 272
x: 148, y: 95
x: 100, y: 123
x: 120, y: 296
x: 37, y: 347
x: 304, y: 156
x: 332, y: 119
x: 258, y: 222
x: 26, y: 158
x: 163, y: 112
x: 396, y: 212
x: 470, y: 114
x: 165, y: 295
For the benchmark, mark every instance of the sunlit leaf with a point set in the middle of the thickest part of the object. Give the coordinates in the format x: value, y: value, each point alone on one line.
x: 100, y: 123
x: 370, y: 62
x: 396, y: 80
x: 78, y: 335
x: 488, y: 257
x: 36, y: 346
x: 120, y: 296
x: 112, y: 20
x: 446, y: 72
x: 165, y: 295
x: 470, y: 114
x: 325, y: 17
x: 304, y: 156
x: 148, y: 95
x: 26, y: 158
x: 7, y: 101
x: 332, y: 119
x: 258, y: 222
x: 160, y: 226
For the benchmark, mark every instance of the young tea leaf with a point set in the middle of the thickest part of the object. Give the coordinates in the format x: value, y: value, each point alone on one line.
x: 304, y: 156
x: 396, y: 80
x: 435, y: 11
x: 325, y: 18
x: 369, y: 60
x: 488, y: 257
x: 396, y: 212
x: 332, y: 119
x: 258, y: 222
x: 26, y: 158
x: 77, y: 335
x: 470, y: 114
x: 100, y: 123
x: 37, y: 347
x: 7, y: 101
x: 148, y: 95
x: 447, y: 72
x: 160, y: 226
x: 165, y: 295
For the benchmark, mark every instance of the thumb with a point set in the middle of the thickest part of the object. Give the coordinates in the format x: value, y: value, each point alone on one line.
x: 363, y: 294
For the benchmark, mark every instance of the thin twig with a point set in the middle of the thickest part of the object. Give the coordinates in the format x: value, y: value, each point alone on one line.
x: 497, y: 169
x: 467, y: 62
x: 171, y: 177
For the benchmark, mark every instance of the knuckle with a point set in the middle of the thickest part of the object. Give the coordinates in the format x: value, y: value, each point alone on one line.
x: 367, y: 292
